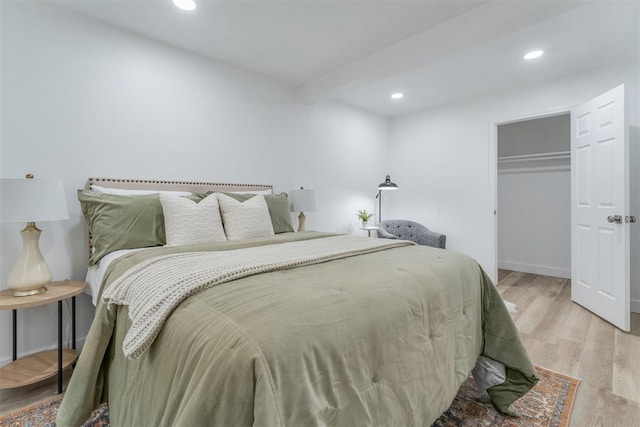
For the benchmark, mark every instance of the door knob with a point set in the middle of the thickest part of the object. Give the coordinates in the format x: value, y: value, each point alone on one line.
x: 615, y: 218
x: 631, y: 219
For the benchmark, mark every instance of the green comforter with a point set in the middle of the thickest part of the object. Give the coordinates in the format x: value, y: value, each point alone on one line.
x: 382, y: 339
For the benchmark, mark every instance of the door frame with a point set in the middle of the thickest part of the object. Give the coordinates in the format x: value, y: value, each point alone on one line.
x: 493, y: 173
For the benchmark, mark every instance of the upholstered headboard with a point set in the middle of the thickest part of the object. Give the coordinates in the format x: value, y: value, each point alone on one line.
x: 161, y: 185
x: 194, y: 187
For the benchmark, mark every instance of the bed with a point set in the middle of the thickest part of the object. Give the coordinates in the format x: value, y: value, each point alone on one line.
x: 279, y: 329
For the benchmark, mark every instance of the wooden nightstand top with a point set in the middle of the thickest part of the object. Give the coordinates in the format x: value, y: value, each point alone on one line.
x: 55, y: 292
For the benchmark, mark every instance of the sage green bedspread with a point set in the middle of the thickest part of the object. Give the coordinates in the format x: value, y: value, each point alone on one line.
x: 382, y: 339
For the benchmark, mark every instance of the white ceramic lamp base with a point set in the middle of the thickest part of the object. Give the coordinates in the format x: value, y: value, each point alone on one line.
x: 31, y: 273
x: 301, y: 221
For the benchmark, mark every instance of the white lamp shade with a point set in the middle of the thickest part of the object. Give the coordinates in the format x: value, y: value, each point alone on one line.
x: 32, y: 200
x: 302, y: 200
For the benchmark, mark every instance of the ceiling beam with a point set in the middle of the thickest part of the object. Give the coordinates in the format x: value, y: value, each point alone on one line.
x: 486, y: 22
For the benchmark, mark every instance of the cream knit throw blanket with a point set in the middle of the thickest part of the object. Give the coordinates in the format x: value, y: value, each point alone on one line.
x: 153, y: 288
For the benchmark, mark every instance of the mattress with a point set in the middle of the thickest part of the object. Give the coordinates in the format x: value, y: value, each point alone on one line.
x: 95, y: 273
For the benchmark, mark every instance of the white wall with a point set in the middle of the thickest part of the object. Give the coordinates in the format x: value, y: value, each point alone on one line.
x: 444, y: 159
x: 534, y: 221
x: 80, y: 98
x: 343, y: 159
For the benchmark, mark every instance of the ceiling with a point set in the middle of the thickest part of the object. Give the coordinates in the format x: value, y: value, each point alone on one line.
x: 361, y: 51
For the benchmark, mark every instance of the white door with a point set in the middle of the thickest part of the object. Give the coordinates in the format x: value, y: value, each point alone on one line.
x: 599, y: 208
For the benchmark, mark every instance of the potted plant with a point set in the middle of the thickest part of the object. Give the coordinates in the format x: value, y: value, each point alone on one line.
x: 364, y: 216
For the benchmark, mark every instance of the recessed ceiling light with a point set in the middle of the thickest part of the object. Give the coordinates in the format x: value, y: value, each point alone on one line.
x: 185, y: 4
x: 534, y: 54
x: 397, y: 95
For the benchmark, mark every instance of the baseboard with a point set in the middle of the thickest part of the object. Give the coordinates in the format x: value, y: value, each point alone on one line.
x: 543, y: 270
x: 635, y: 305
x: 79, y: 345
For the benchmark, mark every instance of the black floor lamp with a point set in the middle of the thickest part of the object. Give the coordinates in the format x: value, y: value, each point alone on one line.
x: 385, y: 186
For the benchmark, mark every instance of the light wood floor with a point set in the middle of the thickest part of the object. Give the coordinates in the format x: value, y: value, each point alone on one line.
x: 559, y: 335
x: 567, y: 338
x: 11, y: 399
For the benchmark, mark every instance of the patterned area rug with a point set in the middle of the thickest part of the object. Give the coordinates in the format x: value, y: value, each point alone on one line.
x: 43, y: 414
x: 547, y: 405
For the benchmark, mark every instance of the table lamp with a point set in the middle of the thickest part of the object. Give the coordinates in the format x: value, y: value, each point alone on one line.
x: 30, y: 200
x: 302, y: 200
x: 385, y: 186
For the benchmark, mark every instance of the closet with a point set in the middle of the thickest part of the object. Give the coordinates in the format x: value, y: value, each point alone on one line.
x: 534, y: 196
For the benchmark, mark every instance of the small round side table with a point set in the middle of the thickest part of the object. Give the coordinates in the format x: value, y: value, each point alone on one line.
x: 39, y: 366
x: 369, y: 230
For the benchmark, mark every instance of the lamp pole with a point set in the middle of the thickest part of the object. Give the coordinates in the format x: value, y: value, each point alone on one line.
x: 386, y: 185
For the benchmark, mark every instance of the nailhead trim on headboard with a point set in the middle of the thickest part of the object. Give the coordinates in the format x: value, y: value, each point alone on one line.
x: 148, y: 184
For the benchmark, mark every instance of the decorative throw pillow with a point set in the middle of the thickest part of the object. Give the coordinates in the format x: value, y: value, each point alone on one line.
x: 189, y: 223
x: 121, y: 222
x: 278, y: 205
x: 244, y: 220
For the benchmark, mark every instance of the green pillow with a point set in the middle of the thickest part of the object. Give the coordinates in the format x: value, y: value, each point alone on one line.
x: 122, y: 222
x: 278, y: 210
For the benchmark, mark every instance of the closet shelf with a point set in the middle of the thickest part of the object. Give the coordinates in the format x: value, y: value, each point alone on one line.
x: 535, y: 157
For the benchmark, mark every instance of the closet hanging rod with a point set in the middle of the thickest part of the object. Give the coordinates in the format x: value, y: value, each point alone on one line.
x: 535, y: 157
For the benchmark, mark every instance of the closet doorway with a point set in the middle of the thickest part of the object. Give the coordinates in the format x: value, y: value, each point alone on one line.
x: 534, y: 196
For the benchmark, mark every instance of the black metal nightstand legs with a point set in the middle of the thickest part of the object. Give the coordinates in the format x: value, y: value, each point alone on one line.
x: 73, y: 332
x: 15, y: 334
x: 73, y: 322
x: 59, y: 347
x: 73, y: 337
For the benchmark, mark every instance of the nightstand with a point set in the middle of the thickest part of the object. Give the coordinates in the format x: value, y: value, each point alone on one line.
x: 369, y: 230
x: 39, y: 366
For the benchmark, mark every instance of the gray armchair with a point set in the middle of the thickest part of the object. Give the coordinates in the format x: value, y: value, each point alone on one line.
x: 410, y: 230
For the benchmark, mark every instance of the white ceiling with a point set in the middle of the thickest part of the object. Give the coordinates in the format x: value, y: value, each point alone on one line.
x: 360, y: 51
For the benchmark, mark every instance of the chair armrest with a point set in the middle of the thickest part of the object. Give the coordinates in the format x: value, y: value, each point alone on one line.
x: 384, y: 234
x: 431, y: 238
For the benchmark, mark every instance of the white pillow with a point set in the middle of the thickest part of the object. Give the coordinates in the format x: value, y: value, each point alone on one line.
x: 244, y: 220
x: 189, y: 223
x: 127, y: 192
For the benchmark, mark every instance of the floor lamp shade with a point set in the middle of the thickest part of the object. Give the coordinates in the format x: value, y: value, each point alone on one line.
x: 387, y: 184
x: 300, y: 201
x: 384, y: 186
x: 30, y: 200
